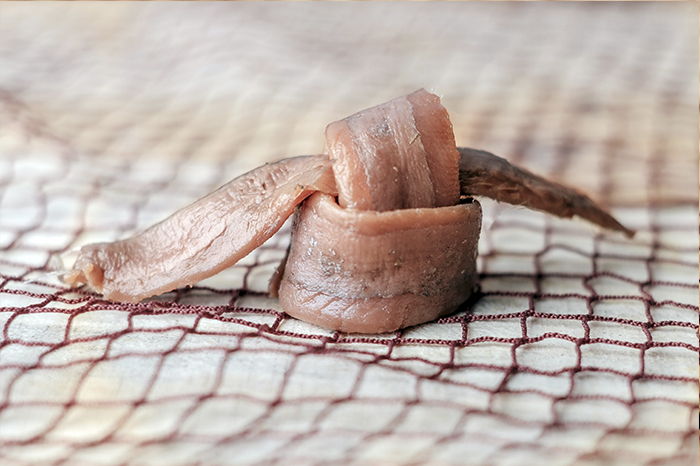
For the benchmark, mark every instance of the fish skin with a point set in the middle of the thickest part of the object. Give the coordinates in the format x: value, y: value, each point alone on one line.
x: 205, y: 237
x: 374, y: 272
x: 482, y: 173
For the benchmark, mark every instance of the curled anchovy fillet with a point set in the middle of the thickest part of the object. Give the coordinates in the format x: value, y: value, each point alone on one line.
x: 397, y: 249
x: 371, y: 272
x: 205, y: 237
x: 380, y: 240
x: 397, y: 155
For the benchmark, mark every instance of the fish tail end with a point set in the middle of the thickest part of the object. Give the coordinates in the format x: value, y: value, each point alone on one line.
x: 87, y: 274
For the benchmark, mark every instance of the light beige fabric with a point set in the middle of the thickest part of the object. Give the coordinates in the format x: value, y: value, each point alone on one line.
x: 114, y: 115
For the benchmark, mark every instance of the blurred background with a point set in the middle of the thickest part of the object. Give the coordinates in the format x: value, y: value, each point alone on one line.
x: 601, y: 95
x: 581, y: 350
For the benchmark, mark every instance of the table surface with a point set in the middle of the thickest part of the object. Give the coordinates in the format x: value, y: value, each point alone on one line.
x: 582, y: 347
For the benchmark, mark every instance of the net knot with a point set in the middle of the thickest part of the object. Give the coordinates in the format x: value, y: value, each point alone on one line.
x: 341, y: 400
x: 275, y: 403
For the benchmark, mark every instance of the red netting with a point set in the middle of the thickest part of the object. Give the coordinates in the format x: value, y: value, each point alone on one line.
x: 582, y: 347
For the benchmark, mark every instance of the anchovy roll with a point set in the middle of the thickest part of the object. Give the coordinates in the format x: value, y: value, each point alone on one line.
x: 385, y: 234
x: 370, y: 272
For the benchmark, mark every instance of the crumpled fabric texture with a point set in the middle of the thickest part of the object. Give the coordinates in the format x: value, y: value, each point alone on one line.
x: 581, y: 349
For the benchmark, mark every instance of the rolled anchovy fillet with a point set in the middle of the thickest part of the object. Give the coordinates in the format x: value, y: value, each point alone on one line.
x: 396, y: 248
x: 397, y: 155
x: 373, y: 272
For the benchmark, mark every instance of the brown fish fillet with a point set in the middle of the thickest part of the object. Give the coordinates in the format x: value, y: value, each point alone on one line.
x: 393, y: 253
x: 373, y: 272
x: 484, y: 174
x: 398, y: 155
x: 205, y: 237
x: 397, y: 248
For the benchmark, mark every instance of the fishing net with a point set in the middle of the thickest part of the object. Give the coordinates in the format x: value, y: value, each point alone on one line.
x: 581, y: 348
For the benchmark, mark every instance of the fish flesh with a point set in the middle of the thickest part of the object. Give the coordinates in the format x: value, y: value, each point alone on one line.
x: 372, y: 272
x: 205, y: 237
x: 396, y: 249
x: 385, y: 229
x: 397, y: 155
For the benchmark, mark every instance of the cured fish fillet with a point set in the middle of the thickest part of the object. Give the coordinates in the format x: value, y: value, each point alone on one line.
x: 205, y: 237
x: 396, y: 248
x: 484, y: 174
x: 373, y: 272
x: 397, y: 155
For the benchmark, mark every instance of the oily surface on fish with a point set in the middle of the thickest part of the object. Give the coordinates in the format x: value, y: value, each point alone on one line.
x: 205, y: 237
x: 368, y: 271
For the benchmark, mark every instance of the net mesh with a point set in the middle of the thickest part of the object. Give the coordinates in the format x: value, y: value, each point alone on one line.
x: 582, y: 346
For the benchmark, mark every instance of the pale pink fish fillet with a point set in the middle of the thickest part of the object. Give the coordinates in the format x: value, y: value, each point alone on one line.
x: 205, y: 237
x: 484, y: 174
x: 374, y: 272
x: 394, y: 250
x: 397, y: 155
x: 436, y: 134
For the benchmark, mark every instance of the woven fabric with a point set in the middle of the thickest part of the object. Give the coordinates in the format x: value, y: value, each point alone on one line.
x: 582, y: 347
